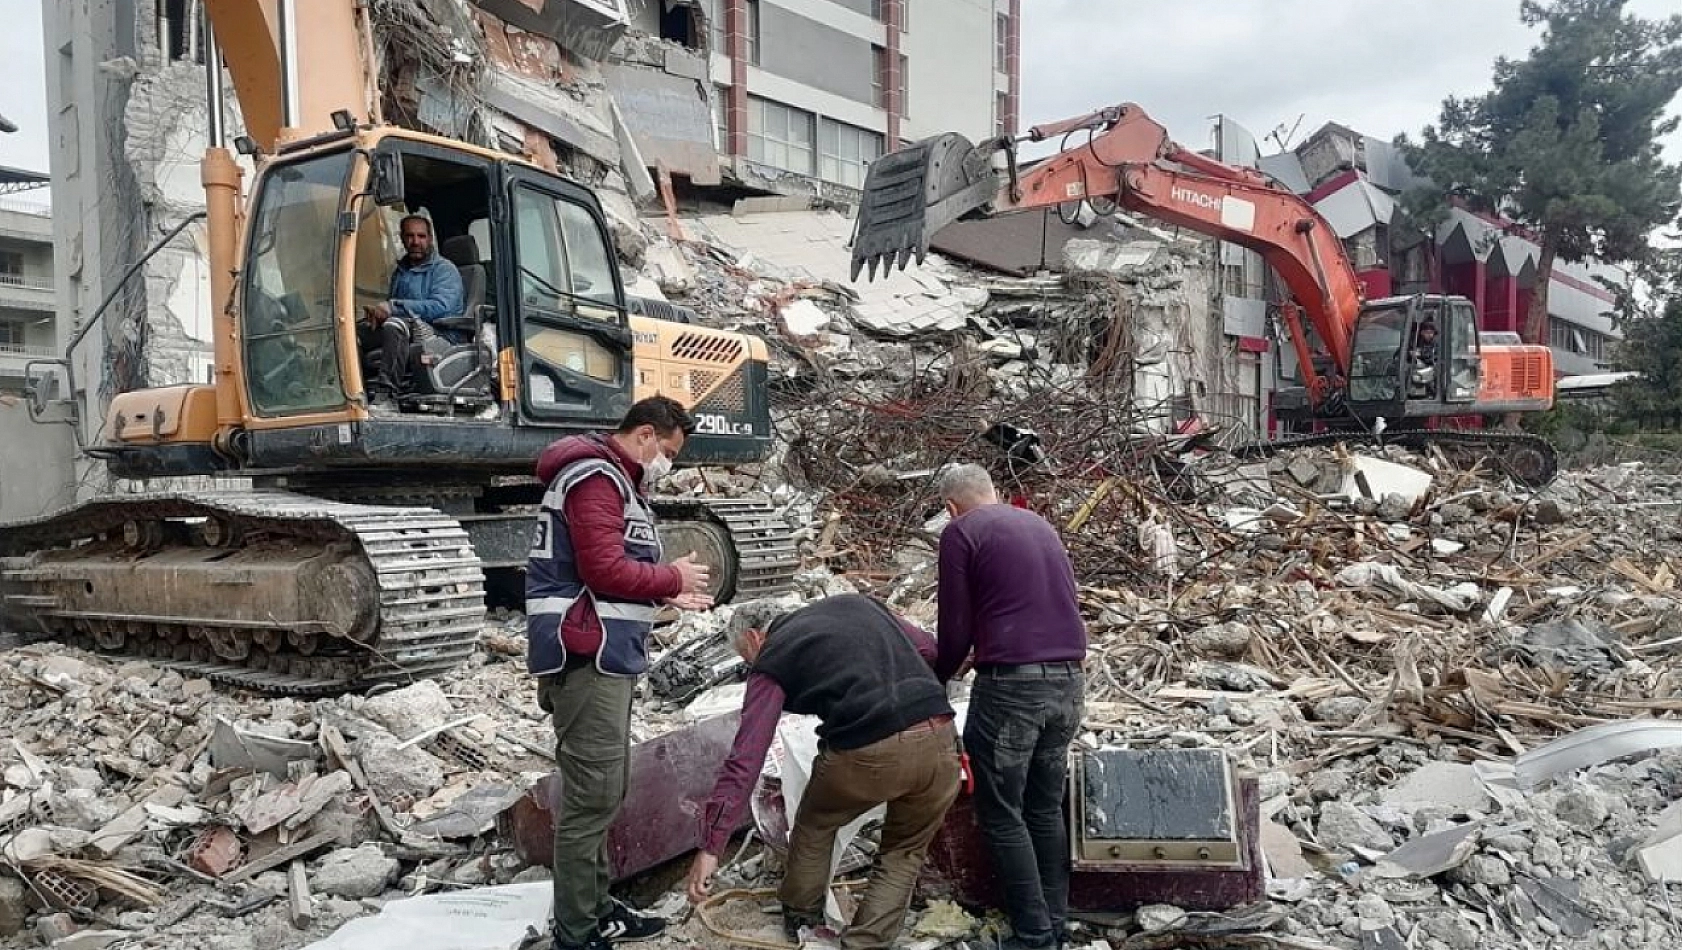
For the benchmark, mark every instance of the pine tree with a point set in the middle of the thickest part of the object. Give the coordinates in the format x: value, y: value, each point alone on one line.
x: 1566, y: 144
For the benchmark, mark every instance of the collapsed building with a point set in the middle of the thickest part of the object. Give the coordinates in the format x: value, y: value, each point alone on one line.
x: 660, y: 107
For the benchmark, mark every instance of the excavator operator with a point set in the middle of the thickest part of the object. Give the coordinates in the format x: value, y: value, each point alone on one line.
x: 1422, y: 360
x: 424, y: 287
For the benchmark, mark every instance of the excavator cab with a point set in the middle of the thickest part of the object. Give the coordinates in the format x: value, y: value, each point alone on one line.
x: 543, y: 327
x: 1417, y: 350
x: 1414, y: 357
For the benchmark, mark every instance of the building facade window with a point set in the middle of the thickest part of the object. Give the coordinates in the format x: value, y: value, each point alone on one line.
x: 1001, y: 42
x: 904, y: 85
x: 1001, y: 114
x: 844, y: 151
x: 779, y: 136
x: 1571, y: 338
x: 721, y: 116
x: 753, y: 31
x: 11, y: 334
x: 720, y: 38
x: 11, y: 267
x: 879, y: 77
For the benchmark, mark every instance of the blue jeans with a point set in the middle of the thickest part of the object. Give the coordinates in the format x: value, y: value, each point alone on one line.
x: 1021, y: 723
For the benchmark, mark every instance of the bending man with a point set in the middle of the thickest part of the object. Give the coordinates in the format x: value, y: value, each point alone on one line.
x: 886, y: 737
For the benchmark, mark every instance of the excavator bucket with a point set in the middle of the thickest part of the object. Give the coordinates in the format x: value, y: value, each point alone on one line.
x: 909, y: 195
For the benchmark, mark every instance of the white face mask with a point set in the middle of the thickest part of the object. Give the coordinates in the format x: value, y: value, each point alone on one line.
x: 656, y: 468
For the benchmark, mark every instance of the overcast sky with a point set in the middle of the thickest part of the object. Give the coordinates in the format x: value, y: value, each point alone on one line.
x: 1381, y: 68
x: 1378, y: 67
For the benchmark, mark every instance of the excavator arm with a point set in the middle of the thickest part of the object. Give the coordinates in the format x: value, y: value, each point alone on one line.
x: 1128, y: 158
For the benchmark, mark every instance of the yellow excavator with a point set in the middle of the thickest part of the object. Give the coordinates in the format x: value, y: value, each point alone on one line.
x: 360, y: 553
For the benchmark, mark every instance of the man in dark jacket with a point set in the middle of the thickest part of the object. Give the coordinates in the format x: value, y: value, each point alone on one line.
x: 424, y: 287
x: 1008, y: 601
x: 886, y: 736
x: 593, y: 584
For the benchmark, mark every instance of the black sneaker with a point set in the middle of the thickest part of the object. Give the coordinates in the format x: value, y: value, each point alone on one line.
x: 548, y: 940
x: 623, y: 924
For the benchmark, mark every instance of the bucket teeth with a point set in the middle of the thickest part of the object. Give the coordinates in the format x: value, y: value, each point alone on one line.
x: 910, y: 195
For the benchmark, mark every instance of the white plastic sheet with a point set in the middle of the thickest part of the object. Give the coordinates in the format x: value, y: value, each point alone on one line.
x: 477, y: 919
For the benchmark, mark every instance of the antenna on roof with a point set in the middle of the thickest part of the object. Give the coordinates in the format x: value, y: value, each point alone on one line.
x: 1282, y: 136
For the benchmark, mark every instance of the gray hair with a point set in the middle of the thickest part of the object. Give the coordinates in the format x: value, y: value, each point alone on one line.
x: 966, y: 483
x: 753, y: 615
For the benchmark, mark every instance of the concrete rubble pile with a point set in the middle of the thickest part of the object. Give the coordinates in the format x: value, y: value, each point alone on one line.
x: 1453, y: 690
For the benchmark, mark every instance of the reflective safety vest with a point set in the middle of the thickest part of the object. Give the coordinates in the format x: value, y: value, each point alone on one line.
x: 553, y: 584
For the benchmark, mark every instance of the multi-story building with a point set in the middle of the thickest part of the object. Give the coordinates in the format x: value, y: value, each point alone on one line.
x: 27, y: 328
x: 817, y: 89
x: 37, y: 471
x: 1355, y: 181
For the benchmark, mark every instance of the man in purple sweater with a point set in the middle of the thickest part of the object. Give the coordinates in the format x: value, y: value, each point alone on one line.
x: 1007, y: 596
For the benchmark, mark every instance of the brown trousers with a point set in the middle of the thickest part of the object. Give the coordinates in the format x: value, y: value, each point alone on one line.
x: 916, y: 773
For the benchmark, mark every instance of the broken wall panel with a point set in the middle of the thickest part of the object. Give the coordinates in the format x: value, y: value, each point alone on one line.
x: 669, y: 116
x: 587, y: 28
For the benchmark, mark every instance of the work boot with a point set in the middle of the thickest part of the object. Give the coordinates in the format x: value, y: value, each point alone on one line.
x: 622, y: 925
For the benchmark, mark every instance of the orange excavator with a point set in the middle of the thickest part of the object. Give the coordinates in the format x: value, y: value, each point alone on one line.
x: 359, y: 548
x: 1370, y: 369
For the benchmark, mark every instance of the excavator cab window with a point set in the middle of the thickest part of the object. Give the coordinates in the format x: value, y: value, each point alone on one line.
x: 1464, y: 364
x: 288, y: 299
x: 574, y: 334
x: 1376, y: 364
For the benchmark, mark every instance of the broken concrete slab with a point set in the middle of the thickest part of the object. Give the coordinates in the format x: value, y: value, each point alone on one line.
x: 1430, y: 855
x: 1446, y: 784
x: 1283, y: 852
x: 131, y: 824
x: 354, y: 873
x: 410, y: 711
x: 1343, y: 825
x: 14, y: 905
x: 398, y: 770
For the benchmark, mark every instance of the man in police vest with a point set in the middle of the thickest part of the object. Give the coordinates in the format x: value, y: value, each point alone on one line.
x: 593, y: 584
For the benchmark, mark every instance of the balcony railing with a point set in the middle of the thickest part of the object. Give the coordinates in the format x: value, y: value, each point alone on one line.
x: 25, y: 349
x: 28, y: 283
x: 39, y: 209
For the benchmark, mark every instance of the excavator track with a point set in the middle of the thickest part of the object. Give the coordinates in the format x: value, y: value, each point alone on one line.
x: 269, y: 591
x: 765, y: 558
x: 1525, y: 458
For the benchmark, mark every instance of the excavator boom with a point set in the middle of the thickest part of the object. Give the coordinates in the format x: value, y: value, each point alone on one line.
x: 1353, y: 357
x: 1127, y: 158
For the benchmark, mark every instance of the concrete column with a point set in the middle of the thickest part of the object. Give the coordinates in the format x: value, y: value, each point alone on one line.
x: 893, y: 16
x: 1013, y: 67
x: 736, y: 108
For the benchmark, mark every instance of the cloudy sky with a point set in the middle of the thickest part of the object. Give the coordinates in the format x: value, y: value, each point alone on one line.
x: 1379, y: 67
